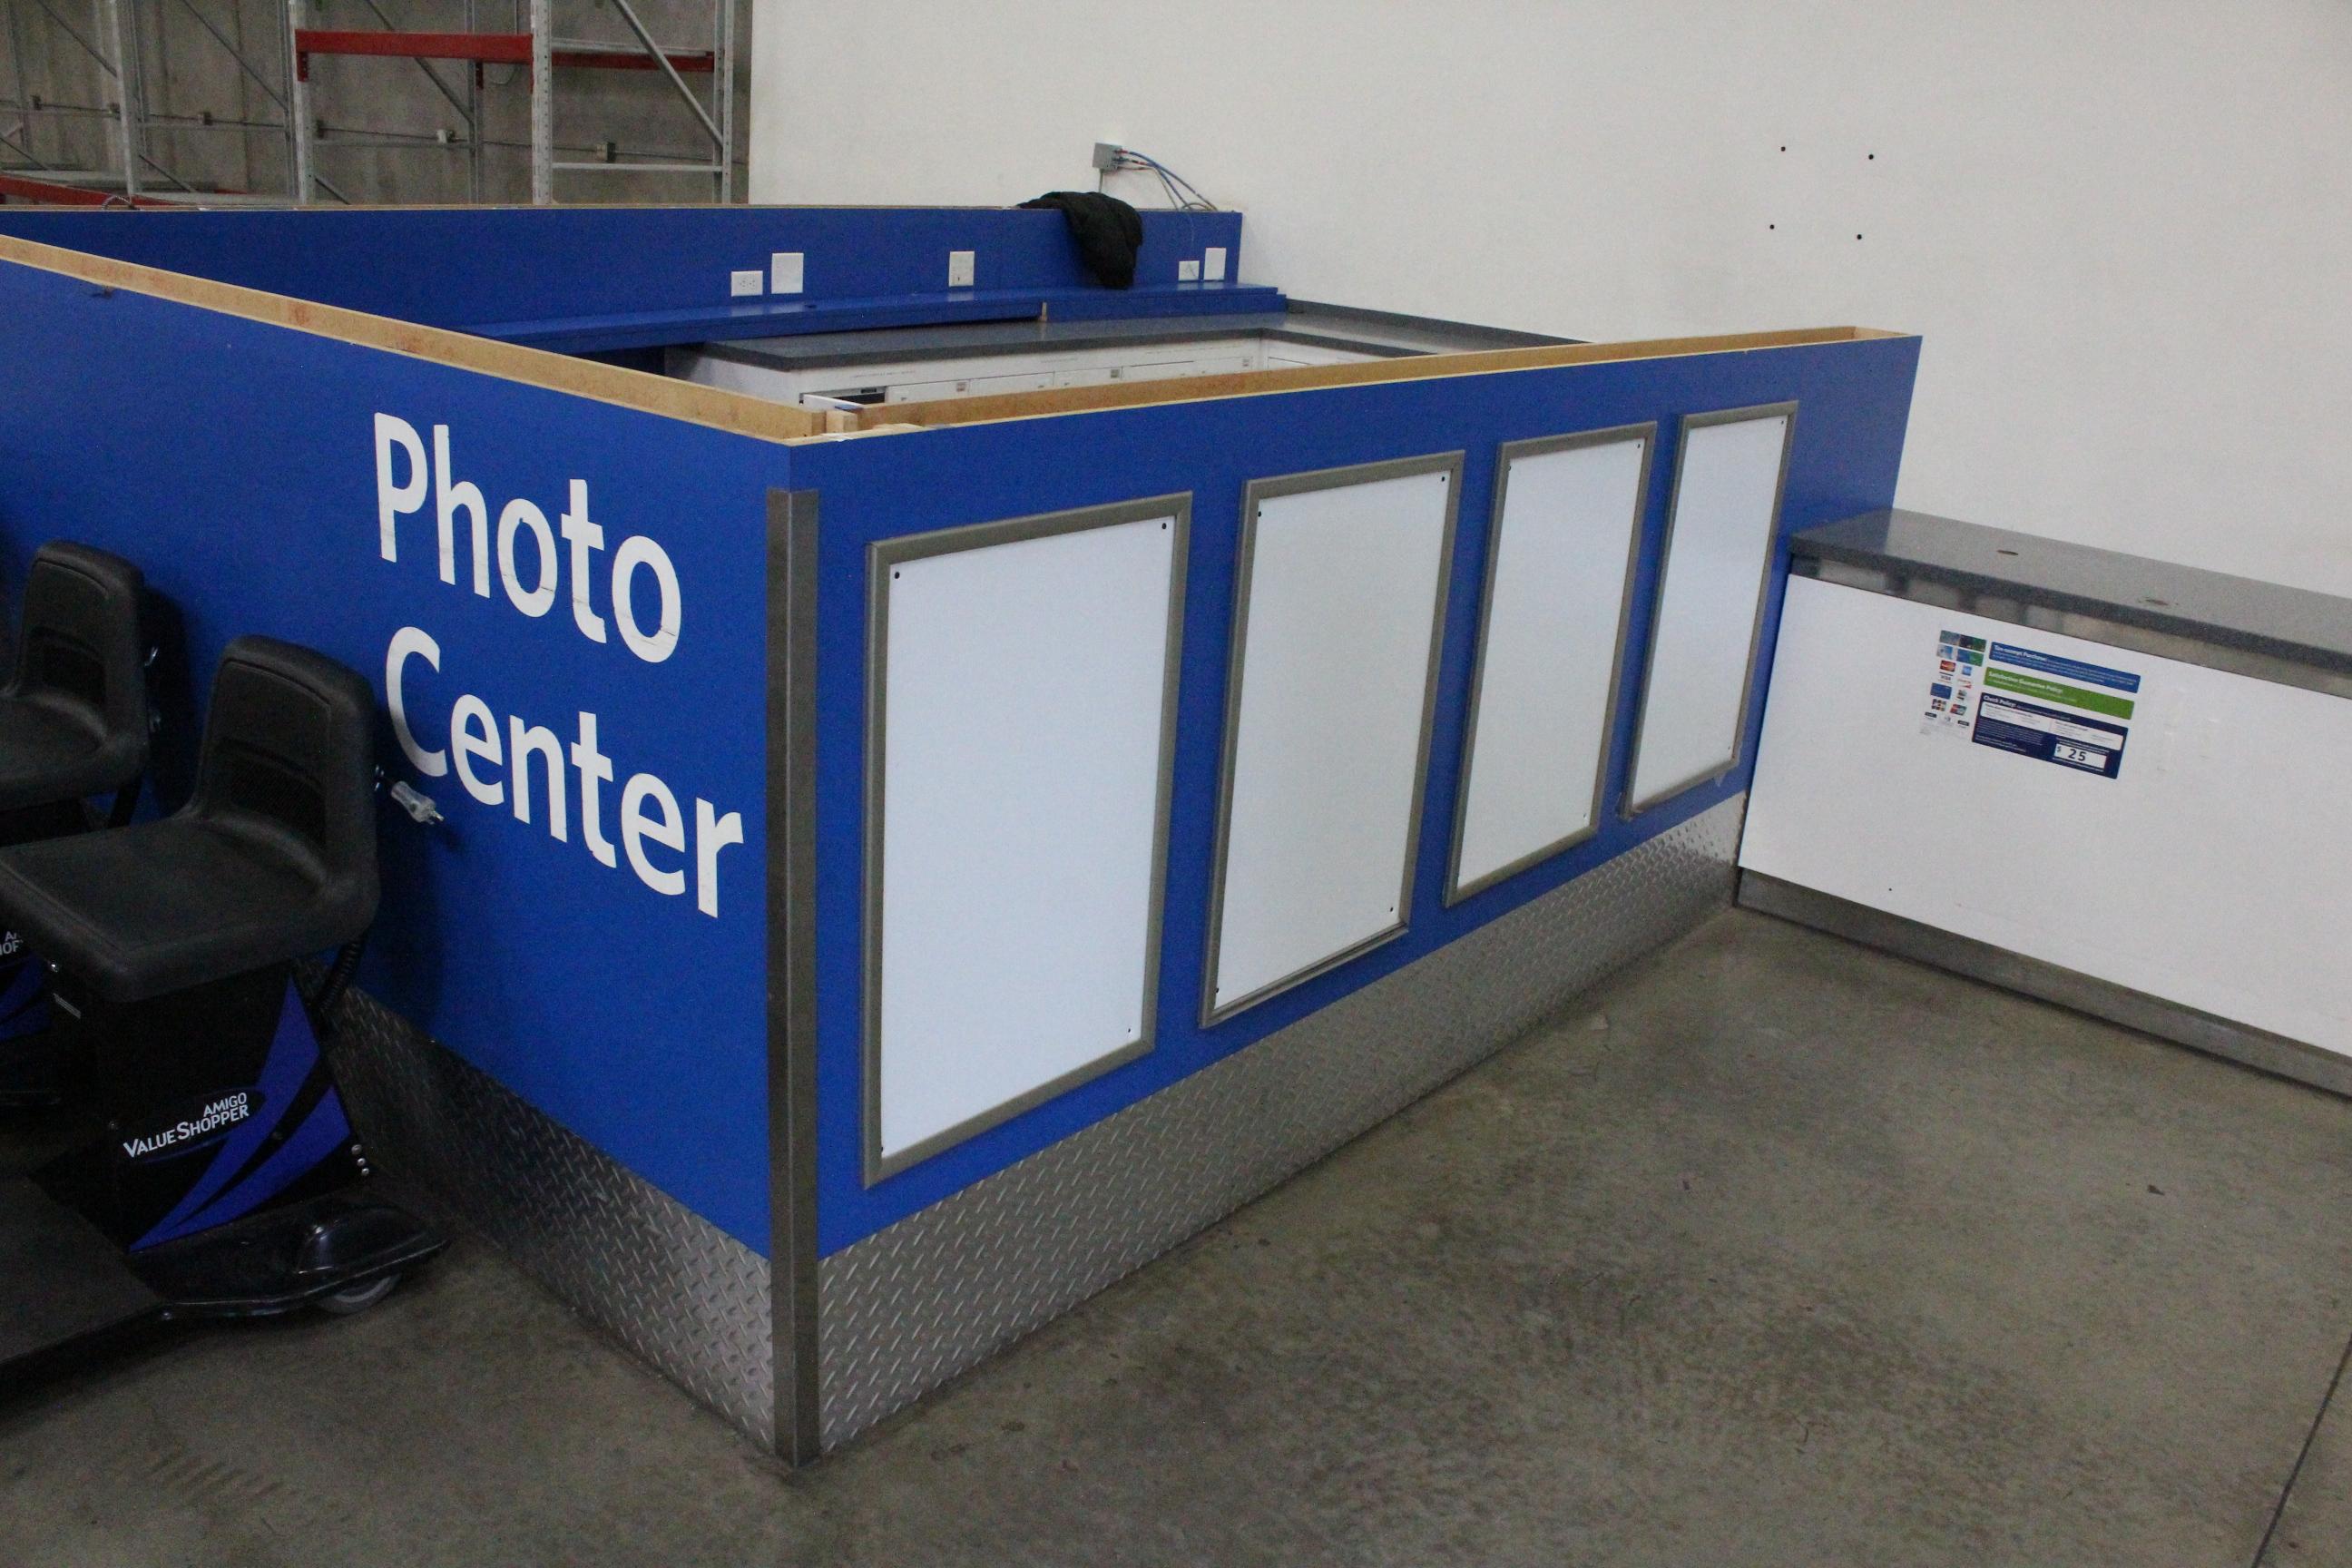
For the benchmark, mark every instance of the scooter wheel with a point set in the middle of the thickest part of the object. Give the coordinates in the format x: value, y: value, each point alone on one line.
x: 358, y: 1298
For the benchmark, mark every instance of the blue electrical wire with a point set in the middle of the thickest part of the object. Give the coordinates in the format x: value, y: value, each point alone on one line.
x: 1187, y: 200
x: 1184, y: 195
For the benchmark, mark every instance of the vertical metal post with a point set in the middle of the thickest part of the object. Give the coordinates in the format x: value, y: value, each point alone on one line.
x: 662, y: 62
x: 229, y: 46
x: 722, y: 77
x: 473, y: 114
x: 19, y: 58
x: 543, y: 103
x: 126, y: 93
x: 299, y: 153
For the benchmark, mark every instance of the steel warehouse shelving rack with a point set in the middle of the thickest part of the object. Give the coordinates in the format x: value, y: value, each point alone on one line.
x: 284, y: 79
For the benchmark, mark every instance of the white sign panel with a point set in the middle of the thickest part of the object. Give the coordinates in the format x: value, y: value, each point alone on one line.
x: 1703, y: 640
x: 1021, y: 747
x: 1344, y: 579
x: 1565, y: 523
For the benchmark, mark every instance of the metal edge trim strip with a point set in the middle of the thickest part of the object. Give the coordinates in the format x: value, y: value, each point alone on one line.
x: 792, y: 965
x: 2017, y: 607
x: 2242, y: 1044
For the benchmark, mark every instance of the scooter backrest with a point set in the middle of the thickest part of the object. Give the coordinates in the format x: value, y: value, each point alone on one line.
x: 286, y: 760
x: 78, y: 645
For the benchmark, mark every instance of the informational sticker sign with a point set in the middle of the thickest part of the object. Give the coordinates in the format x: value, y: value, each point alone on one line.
x: 1952, y: 685
x: 2058, y: 710
x: 2032, y: 731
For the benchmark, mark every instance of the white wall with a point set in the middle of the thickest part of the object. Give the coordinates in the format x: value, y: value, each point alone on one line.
x: 2124, y: 229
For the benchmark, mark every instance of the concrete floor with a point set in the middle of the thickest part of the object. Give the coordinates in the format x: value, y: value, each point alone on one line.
x: 1776, y: 1251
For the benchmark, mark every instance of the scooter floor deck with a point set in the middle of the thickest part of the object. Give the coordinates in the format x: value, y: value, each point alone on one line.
x: 62, y: 1283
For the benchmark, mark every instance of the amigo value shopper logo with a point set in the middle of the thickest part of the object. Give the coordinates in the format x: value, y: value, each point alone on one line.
x: 210, y: 1119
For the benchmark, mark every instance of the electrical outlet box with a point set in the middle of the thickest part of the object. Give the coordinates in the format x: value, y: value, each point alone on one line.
x: 742, y: 284
x: 1188, y: 270
x: 785, y: 272
x: 959, y: 268
x: 1107, y: 155
x: 1213, y: 264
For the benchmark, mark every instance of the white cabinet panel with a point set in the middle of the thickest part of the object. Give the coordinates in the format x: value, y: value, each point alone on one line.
x: 2213, y: 869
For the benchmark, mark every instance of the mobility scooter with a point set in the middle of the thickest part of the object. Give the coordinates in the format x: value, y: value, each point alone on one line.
x: 222, y: 1179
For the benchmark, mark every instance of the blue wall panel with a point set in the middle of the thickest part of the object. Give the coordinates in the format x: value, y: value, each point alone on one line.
x: 505, y: 268
x: 234, y: 461
x: 1854, y: 400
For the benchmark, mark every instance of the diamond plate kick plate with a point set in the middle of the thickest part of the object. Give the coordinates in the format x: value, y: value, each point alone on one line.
x: 675, y: 1288
x: 912, y: 1305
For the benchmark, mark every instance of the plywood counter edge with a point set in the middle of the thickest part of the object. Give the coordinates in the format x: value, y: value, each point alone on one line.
x: 742, y: 414
x: 635, y: 389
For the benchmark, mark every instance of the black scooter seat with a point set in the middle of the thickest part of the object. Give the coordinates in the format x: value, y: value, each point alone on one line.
x: 146, y: 910
x: 50, y: 752
x: 273, y: 856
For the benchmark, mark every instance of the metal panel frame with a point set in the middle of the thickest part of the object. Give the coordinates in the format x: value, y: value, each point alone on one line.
x: 1505, y: 454
x: 881, y: 556
x: 1253, y: 494
x: 1635, y: 806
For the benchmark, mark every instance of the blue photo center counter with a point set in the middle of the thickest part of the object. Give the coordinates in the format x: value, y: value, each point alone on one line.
x: 945, y: 792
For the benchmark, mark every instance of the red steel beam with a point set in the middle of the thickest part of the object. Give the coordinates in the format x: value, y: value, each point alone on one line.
x: 618, y: 59
x: 51, y: 194
x: 482, y: 48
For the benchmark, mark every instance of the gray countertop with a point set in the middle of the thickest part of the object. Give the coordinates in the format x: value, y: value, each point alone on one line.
x: 2289, y: 624
x: 1333, y: 326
